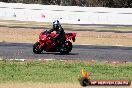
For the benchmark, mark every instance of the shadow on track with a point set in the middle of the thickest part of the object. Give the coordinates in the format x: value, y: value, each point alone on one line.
x: 57, y: 53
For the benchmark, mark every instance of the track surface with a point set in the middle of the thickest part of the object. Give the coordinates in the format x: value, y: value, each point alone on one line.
x: 82, y: 52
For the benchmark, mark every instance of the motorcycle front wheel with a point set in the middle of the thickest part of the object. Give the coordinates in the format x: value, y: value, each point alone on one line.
x: 36, y: 48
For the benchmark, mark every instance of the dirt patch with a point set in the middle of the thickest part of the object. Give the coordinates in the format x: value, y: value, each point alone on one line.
x: 62, y: 85
x: 104, y: 38
x: 87, y: 37
x: 18, y: 34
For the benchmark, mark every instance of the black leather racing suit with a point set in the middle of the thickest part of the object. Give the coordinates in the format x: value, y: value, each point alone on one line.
x: 59, y: 34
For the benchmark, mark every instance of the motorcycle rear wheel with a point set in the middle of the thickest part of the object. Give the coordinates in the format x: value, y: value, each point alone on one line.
x: 66, y: 48
x: 36, y: 48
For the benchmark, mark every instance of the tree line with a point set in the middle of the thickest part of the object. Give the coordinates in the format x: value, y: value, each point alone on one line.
x: 83, y: 3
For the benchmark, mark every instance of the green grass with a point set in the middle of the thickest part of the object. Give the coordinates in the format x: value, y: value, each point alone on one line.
x: 59, y: 71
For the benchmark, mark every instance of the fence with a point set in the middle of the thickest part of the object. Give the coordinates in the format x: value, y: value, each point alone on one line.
x: 66, y: 14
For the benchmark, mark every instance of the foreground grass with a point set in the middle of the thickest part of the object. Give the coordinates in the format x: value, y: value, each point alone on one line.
x: 59, y: 71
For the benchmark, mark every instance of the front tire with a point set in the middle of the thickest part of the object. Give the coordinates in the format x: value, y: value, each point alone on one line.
x: 36, y: 48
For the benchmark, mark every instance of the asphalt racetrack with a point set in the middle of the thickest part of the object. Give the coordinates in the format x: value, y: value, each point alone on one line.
x: 81, y: 52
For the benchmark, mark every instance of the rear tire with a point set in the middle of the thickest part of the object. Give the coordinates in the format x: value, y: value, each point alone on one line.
x: 36, y: 48
x: 66, y: 48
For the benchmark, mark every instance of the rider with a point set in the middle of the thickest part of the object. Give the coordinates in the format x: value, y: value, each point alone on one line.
x: 59, y: 31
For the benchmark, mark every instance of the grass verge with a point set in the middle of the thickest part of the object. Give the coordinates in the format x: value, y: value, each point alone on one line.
x: 60, y: 71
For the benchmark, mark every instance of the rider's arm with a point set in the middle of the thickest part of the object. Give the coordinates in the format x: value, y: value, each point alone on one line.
x: 59, y: 33
x: 51, y: 30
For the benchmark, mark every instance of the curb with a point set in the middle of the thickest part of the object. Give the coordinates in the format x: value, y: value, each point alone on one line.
x: 65, y: 60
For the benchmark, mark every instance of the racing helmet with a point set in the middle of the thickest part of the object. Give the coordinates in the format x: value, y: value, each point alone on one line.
x: 56, y: 24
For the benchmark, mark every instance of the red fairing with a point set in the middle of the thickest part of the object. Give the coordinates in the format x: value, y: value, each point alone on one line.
x: 41, y: 36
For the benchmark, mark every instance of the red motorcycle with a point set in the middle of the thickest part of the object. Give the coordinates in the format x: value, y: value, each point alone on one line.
x: 46, y: 43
